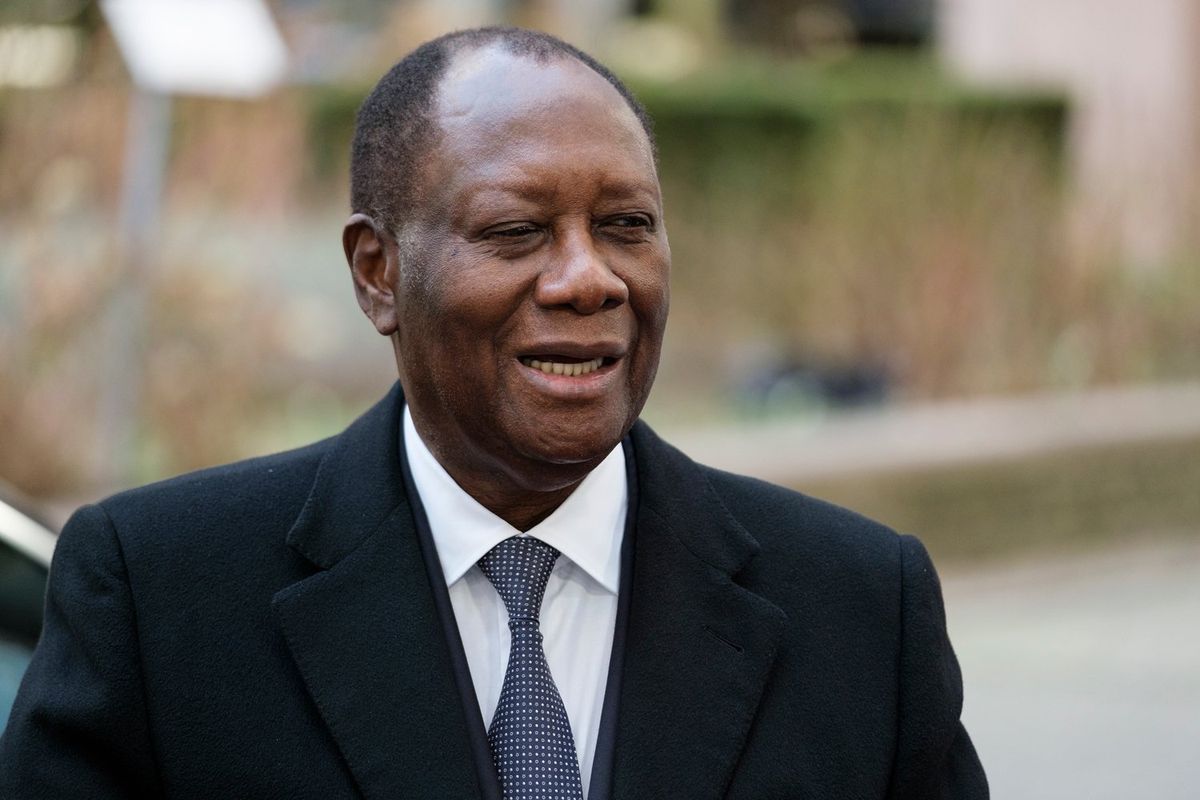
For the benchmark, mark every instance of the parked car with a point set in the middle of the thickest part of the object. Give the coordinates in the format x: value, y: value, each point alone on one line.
x: 26, y: 544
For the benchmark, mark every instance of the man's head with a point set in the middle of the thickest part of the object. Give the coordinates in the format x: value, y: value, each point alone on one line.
x: 395, y: 127
x: 524, y: 278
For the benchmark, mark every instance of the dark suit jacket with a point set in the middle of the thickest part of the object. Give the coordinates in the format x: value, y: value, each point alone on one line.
x: 267, y: 629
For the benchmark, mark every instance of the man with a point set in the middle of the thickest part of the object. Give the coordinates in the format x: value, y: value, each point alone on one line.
x: 496, y: 583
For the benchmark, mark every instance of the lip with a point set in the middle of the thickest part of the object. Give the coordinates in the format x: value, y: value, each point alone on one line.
x: 591, y: 386
x: 583, y: 351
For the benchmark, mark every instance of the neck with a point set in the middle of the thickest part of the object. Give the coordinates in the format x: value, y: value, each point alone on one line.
x: 522, y: 511
x: 522, y: 500
x: 521, y: 493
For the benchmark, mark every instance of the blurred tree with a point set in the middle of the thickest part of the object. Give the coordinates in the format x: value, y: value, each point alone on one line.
x: 816, y: 27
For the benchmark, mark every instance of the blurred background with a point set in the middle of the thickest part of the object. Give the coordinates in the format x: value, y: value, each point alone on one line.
x: 937, y: 260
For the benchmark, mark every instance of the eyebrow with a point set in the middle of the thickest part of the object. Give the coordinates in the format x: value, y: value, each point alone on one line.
x: 539, y: 192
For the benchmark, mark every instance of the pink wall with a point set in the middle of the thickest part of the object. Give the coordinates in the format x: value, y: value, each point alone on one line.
x: 1132, y: 71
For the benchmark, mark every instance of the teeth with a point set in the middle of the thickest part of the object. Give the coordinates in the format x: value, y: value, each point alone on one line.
x: 559, y: 368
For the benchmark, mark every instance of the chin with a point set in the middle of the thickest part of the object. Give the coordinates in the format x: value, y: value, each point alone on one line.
x: 576, y: 440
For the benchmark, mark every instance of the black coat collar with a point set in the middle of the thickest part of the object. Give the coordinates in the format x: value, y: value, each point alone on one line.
x: 700, y: 647
x: 365, y: 635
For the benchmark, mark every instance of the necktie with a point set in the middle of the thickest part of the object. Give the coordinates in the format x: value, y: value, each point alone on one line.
x: 530, y: 735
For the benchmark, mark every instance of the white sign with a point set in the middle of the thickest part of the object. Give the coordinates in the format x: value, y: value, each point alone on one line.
x: 206, y: 47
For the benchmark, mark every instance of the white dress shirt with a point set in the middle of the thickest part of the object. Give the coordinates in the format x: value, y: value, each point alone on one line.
x: 579, y: 610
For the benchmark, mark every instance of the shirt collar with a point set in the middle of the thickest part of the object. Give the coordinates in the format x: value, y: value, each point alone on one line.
x: 587, y: 528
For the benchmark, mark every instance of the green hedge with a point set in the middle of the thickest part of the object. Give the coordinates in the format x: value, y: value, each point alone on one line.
x: 754, y: 123
x: 756, y: 116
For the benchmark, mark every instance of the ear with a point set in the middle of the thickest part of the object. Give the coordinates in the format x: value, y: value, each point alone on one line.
x: 374, y: 266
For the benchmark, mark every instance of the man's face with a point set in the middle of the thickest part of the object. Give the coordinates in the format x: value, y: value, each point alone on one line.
x: 529, y: 332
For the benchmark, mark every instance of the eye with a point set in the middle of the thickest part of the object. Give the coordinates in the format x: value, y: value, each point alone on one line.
x: 628, y: 228
x: 631, y: 221
x: 514, y: 231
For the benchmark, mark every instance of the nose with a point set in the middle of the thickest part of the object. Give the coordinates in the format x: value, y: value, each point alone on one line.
x: 578, y: 277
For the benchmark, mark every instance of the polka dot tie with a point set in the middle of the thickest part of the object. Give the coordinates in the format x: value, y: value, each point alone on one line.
x: 530, y: 734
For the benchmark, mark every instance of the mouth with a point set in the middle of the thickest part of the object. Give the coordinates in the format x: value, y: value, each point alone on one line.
x: 567, y: 366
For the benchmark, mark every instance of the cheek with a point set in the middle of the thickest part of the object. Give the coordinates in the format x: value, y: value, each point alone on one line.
x: 650, y: 295
x: 472, y: 299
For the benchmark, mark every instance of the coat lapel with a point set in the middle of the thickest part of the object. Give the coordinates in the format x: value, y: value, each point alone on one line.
x: 363, y: 630
x: 699, y: 647
x: 365, y: 636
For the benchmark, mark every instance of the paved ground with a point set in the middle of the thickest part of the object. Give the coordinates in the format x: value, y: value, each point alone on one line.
x: 1083, y: 674
x: 948, y: 433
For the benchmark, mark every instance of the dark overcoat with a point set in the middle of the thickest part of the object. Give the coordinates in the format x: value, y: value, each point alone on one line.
x: 268, y: 630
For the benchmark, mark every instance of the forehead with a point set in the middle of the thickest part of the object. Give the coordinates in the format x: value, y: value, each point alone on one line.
x: 504, y: 118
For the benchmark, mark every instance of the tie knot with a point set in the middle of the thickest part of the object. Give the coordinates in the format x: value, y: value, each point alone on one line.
x: 519, y: 568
